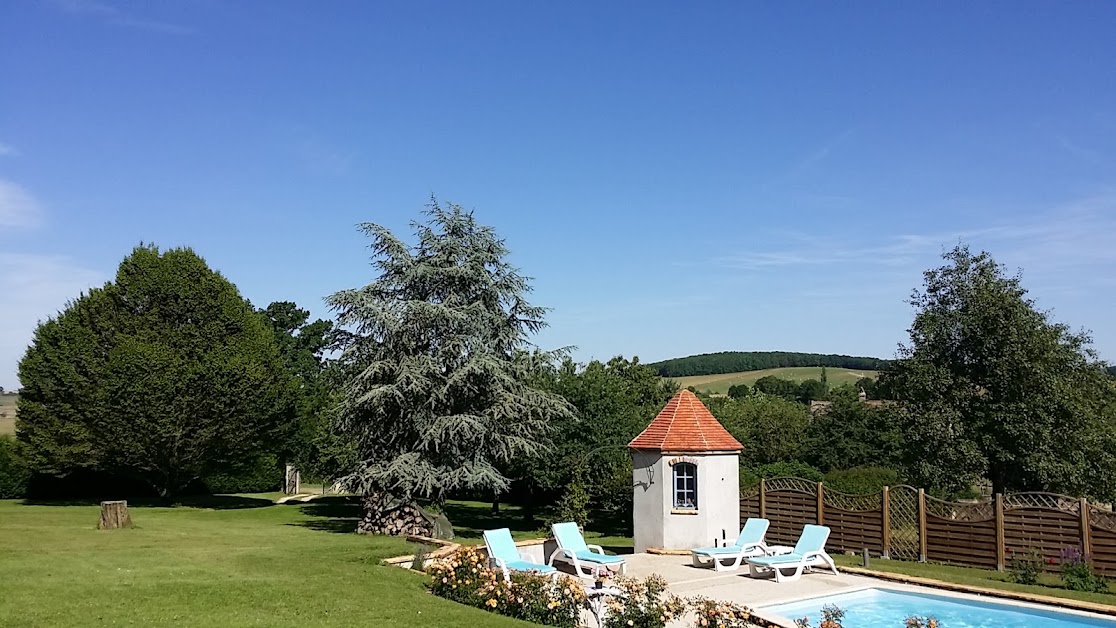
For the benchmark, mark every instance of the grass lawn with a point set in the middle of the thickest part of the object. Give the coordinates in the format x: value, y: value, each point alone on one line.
x: 224, y: 561
x: 719, y: 384
x: 1049, y: 584
x: 471, y: 519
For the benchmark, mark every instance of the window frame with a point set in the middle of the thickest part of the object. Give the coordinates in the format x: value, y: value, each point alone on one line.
x: 684, y: 472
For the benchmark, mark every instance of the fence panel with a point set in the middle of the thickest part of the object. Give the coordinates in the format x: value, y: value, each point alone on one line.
x: 855, y: 521
x: 1048, y: 531
x: 903, y: 502
x: 749, y: 503
x: 981, y: 534
x: 1102, y: 532
x: 790, y: 504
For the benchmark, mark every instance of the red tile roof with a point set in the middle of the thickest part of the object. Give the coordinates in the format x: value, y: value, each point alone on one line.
x: 685, y: 425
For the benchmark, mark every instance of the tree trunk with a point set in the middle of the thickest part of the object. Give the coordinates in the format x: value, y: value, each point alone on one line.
x: 114, y: 515
x: 383, y: 513
x: 496, y: 504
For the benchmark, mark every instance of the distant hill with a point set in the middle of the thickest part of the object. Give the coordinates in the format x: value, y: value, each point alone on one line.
x: 719, y: 384
x: 7, y: 413
x: 740, y: 361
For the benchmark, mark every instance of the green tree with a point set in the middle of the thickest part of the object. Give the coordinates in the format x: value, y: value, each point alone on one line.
x: 738, y: 391
x: 868, y: 385
x: 162, y: 375
x: 777, y: 386
x: 771, y: 428
x: 614, y: 402
x: 811, y: 390
x: 436, y: 396
x: 850, y: 433
x: 995, y: 389
x: 303, y: 346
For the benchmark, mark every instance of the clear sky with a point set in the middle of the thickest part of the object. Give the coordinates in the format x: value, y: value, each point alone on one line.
x: 677, y: 177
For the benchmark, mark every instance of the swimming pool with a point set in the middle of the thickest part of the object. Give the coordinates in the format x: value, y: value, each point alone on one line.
x: 885, y: 608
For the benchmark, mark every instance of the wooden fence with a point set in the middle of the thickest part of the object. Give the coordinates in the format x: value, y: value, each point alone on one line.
x: 905, y: 523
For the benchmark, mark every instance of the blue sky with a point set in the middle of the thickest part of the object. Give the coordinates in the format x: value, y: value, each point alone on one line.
x: 677, y: 178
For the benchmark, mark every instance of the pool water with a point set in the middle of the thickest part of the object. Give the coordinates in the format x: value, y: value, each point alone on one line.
x: 881, y: 608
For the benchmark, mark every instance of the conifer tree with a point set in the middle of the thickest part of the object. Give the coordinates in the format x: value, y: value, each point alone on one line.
x: 438, y: 394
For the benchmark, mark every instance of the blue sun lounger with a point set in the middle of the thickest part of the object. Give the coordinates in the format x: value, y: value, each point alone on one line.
x: 728, y: 558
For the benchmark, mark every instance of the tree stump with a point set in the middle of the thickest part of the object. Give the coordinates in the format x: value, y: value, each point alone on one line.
x: 114, y: 515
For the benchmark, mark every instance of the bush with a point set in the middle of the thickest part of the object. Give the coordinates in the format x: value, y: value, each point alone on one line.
x: 465, y: 577
x: 643, y: 604
x: 1077, y: 573
x: 751, y: 475
x: 861, y: 480
x: 1025, y: 566
x: 261, y: 475
x: 14, y: 475
x: 720, y: 614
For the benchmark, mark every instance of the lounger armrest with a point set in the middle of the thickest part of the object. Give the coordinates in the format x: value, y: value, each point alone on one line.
x: 596, y: 549
x: 567, y: 553
x: 761, y: 546
x: 500, y: 562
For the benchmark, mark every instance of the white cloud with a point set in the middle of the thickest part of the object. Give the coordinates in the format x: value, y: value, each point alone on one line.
x: 35, y: 288
x: 18, y: 207
x: 1076, y: 234
x: 7, y: 150
x: 111, y: 14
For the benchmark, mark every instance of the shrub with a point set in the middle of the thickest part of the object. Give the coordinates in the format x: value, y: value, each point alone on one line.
x: 723, y: 614
x: 465, y: 577
x: 831, y: 618
x: 1077, y: 572
x: 861, y: 480
x: 1025, y: 566
x: 643, y: 604
x: 14, y: 474
x: 792, y: 469
x: 260, y: 475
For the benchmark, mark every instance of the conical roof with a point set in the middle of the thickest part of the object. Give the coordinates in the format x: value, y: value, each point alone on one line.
x: 686, y: 425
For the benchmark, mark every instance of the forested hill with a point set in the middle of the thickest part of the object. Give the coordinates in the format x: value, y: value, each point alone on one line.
x: 736, y: 361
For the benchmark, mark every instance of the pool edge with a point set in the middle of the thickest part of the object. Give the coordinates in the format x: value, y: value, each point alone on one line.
x: 1060, y: 602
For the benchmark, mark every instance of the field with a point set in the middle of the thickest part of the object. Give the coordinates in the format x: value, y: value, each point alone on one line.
x: 7, y: 413
x: 720, y: 383
x: 227, y: 561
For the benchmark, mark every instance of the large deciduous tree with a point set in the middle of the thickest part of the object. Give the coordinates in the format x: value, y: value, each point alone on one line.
x: 437, y: 394
x: 162, y: 375
x: 304, y: 347
x: 994, y: 389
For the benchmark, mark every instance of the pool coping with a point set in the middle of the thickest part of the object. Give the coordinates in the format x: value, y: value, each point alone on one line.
x: 1046, y: 600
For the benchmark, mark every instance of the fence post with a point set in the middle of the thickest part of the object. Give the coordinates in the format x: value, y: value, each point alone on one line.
x: 821, y: 504
x: 1086, y: 535
x: 885, y: 506
x: 999, y: 532
x: 921, y: 525
x: 763, y: 498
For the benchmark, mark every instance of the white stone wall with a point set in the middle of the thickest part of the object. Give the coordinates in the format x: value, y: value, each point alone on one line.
x: 649, y: 505
x: 657, y: 524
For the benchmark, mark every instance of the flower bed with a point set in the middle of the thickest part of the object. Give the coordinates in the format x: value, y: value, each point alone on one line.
x: 465, y: 577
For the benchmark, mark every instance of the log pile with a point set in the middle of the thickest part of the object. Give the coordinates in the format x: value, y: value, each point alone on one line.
x: 383, y: 514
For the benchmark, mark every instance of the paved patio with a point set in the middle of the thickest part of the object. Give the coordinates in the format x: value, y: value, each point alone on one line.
x: 686, y: 580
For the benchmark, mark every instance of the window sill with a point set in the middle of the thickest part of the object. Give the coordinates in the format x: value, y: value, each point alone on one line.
x: 683, y: 511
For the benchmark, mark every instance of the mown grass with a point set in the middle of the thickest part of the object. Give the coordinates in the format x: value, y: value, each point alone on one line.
x: 7, y: 413
x: 1049, y: 585
x: 719, y: 384
x: 470, y: 519
x: 233, y: 561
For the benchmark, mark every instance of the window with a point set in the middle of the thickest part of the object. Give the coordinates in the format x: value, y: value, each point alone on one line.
x: 685, y: 486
